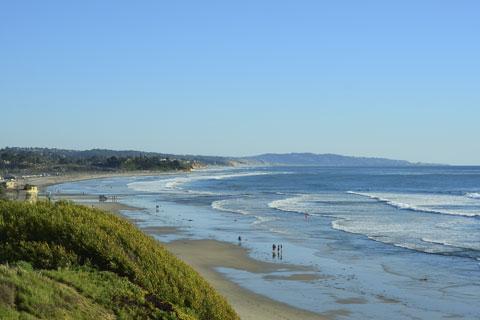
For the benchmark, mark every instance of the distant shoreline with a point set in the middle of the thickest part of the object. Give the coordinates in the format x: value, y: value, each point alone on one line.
x: 46, y: 181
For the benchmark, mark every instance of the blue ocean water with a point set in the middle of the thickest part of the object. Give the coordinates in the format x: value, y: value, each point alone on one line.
x: 392, y: 243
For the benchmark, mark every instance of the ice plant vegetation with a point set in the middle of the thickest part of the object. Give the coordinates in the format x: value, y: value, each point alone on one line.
x: 77, y: 256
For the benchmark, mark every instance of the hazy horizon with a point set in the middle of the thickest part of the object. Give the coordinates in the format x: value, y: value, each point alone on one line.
x: 365, y: 79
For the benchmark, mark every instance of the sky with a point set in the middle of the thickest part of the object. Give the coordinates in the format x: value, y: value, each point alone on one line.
x: 393, y: 79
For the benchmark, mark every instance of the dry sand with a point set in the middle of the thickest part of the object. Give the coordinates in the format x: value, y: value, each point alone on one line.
x: 205, y: 255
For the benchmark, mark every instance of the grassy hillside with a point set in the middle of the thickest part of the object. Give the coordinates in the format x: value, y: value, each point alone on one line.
x: 98, y: 262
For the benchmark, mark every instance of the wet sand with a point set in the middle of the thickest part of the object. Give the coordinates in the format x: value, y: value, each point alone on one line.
x: 204, y: 255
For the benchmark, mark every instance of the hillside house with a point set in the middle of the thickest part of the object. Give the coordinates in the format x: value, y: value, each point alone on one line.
x: 32, y: 190
x: 10, y: 184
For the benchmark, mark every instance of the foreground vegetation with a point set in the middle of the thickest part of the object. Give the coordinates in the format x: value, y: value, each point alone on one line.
x: 68, y: 261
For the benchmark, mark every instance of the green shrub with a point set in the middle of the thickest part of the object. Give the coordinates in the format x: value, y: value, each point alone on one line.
x: 62, y: 235
x: 28, y: 294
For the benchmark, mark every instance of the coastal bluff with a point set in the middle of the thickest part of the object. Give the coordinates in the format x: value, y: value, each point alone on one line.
x: 95, y: 258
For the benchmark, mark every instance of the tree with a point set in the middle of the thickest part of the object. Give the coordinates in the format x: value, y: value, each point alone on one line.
x: 113, y: 162
x: 65, y: 160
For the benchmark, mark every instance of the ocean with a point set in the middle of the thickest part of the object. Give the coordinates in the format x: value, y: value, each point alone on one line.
x: 386, y: 243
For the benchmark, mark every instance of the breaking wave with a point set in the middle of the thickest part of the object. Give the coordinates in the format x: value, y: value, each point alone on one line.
x: 175, y: 184
x: 473, y: 195
x: 442, y: 204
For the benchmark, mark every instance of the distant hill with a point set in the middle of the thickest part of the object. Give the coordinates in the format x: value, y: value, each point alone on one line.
x: 14, y: 159
x: 106, y: 153
x: 311, y: 159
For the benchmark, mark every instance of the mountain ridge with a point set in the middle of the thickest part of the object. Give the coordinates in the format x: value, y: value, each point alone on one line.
x: 326, y: 159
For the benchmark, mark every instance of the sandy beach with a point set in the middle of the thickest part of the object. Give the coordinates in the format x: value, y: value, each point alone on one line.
x: 204, y: 256
x: 46, y: 181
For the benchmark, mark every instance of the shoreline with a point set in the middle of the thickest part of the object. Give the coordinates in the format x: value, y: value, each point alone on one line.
x: 204, y: 256
x: 47, y: 181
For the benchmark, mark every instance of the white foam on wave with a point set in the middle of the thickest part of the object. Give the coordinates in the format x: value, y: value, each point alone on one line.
x: 393, y: 234
x: 262, y: 219
x: 416, y: 247
x: 452, y: 243
x: 223, y: 205
x: 175, y: 184
x: 286, y: 232
x: 426, y: 203
x: 310, y: 204
x: 473, y: 195
x: 237, y: 206
x: 359, y: 215
x: 315, y: 204
x: 300, y: 204
x: 227, y: 204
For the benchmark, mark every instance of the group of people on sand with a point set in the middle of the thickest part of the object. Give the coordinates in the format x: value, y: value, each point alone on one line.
x: 278, y: 252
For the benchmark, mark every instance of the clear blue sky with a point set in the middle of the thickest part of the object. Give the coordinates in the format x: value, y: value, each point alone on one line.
x: 396, y: 79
